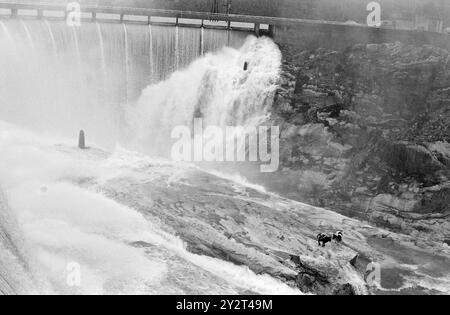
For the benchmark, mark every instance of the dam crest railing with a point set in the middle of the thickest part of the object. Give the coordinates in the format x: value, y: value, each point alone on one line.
x: 261, y: 25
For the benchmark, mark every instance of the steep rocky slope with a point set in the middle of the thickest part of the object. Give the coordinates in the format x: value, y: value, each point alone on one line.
x: 366, y: 132
x: 270, y: 235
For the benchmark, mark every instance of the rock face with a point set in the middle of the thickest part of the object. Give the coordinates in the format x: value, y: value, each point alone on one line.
x: 269, y: 234
x: 346, y: 289
x: 241, y: 226
x: 366, y: 132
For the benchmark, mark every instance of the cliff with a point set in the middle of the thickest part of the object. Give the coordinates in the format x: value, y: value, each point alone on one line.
x: 366, y: 131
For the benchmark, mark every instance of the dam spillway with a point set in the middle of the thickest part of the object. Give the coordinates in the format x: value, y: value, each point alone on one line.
x: 56, y: 80
x: 153, y: 51
x: 81, y: 73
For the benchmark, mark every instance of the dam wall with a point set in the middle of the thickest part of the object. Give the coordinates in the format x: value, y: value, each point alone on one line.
x: 93, y: 72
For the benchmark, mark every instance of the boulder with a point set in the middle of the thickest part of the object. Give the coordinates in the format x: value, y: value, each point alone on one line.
x: 392, y: 204
x: 411, y: 159
x: 311, y: 279
x: 345, y: 289
x: 360, y: 263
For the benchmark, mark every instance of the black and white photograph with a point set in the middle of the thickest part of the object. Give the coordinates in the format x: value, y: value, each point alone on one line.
x: 220, y: 155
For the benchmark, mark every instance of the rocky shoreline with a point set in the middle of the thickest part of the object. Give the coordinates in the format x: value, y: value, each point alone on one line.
x: 366, y: 132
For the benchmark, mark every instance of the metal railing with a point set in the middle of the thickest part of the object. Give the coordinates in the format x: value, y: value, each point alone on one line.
x: 94, y: 10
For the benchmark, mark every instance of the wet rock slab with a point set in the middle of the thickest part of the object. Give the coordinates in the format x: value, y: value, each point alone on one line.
x: 270, y: 234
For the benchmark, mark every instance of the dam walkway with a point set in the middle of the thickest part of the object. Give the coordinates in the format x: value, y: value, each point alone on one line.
x: 302, y: 33
x: 261, y: 25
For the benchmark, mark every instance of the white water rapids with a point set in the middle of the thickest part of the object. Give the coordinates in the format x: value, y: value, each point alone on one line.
x: 55, y: 81
x: 59, y: 223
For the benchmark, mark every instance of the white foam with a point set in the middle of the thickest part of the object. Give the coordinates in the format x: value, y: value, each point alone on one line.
x: 238, y: 179
x: 62, y: 223
x: 215, y: 87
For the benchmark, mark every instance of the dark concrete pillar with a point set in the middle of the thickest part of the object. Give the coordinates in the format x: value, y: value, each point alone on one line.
x: 257, y: 29
x: 82, y: 140
x: 272, y: 30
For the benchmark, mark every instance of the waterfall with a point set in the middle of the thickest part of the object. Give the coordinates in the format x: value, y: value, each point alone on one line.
x: 202, y: 42
x: 215, y: 88
x: 60, y: 224
x: 77, y: 52
x: 150, y: 61
x: 6, y: 32
x: 127, y: 63
x: 52, y: 37
x: 177, y: 48
x: 102, y: 51
x: 86, y: 77
x: 155, y: 78
x: 27, y: 31
x: 7, y: 44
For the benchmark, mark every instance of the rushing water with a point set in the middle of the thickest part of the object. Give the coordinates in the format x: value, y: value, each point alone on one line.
x: 122, y: 216
x: 215, y: 88
x: 93, y: 72
x: 107, y: 78
x: 59, y: 224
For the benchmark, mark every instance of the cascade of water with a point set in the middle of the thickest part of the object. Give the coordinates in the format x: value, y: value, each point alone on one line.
x: 127, y: 62
x: 27, y: 32
x: 82, y: 77
x: 188, y: 47
x: 102, y: 55
x: 81, y: 82
x: 177, y: 47
x: 215, y: 88
x: 52, y: 38
x: 202, y: 42
x: 78, y: 55
x: 8, y: 35
x: 62, y: 221
x: 77, y: 49
x: 215, y: 40
x: 152, y: 68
